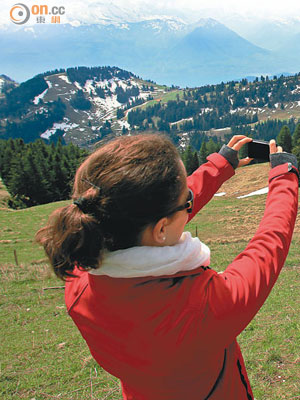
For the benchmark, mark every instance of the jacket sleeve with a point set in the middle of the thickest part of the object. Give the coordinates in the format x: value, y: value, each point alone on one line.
x: 235, y: 295
x: 207, y: 180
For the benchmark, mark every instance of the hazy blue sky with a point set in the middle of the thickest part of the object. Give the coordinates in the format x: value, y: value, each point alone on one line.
x: 87, y: 10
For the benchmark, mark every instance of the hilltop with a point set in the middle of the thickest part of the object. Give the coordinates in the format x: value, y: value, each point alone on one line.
x: 86, y: 105
x: 6, y: 83
x: 79, y: 103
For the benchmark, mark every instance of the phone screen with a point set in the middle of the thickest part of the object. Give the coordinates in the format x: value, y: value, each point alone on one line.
x: 259, y: 150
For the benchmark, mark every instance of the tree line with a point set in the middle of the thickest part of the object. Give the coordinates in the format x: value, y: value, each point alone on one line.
x: 82, y: 74
x: 265, y: 130
x: 190, y: 115
x: 217, y: 106
x: 192, y: 159
x: 38, y: 173
x: 262, y: 91
x: 287, y: 139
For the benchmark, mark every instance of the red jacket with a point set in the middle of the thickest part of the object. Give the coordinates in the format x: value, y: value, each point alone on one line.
x: 174, y: 337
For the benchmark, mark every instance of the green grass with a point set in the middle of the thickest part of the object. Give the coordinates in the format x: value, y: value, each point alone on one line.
x: 271, y: 342
x: 164, y: 98
x: 17, y: 230
x: 43, y: 356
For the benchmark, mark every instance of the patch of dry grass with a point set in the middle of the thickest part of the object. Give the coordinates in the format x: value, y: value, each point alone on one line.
x: 246, y: 180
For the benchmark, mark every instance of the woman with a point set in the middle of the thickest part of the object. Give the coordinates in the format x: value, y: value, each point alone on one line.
x: 140, y: 290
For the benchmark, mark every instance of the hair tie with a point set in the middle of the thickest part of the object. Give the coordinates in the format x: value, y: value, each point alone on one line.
x: 81, y: 204
x: 87, y: 206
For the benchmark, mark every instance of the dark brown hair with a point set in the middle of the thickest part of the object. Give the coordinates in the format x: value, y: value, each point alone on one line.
x: 121, y: 188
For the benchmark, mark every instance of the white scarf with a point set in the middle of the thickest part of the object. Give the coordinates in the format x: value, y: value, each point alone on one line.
x: 140, y: 261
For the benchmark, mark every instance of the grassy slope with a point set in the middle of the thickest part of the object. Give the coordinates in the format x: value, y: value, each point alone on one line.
x: 44, y: 357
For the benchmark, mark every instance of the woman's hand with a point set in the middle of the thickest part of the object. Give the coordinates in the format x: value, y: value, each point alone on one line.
x: 236, y: 143
x: 274, y: 148
x: 279, y: 157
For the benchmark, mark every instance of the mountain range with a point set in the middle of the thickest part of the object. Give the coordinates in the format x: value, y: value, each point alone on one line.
x: 167, y: 50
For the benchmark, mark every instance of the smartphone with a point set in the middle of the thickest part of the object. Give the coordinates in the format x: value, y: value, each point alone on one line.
x: 259, y: 150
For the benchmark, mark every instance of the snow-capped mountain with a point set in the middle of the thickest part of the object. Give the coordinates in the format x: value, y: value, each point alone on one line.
x: 165, y: 49
x: 271, y: 34
x: 152, y: 48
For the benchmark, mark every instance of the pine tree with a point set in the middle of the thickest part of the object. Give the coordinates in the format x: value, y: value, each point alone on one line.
x: 16, y: 180
x: 284, y: 139
x: 296, y: 136
x: 188, y: 159
x: 195, y: 161
x: 80, y: 102
x: 120, y: 113
x: 44, y: 172
x: 7, y: 153
x: 211, y: 146
x: 203, y: 153
x: 32, y: 176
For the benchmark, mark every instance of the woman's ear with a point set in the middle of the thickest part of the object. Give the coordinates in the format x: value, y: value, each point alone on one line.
x: 155, y: 235
x: 159, y: 231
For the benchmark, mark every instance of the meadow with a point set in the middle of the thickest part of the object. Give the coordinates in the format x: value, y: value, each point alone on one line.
x: 43, y: 356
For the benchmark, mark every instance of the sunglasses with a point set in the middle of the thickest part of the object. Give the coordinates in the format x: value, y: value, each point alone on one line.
x: 188, y: 205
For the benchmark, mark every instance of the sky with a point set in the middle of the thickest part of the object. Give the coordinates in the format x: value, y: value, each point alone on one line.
x: 87, y: 10
x: 265, y: 7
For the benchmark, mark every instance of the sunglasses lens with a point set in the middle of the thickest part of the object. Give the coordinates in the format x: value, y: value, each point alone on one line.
x: 190, y: 202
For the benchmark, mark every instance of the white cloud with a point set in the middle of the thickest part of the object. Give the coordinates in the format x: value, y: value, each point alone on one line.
x: 90, y: 11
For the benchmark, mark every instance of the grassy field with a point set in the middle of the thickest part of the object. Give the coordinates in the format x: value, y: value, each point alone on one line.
x: 164, y: 98
x: 43, y: 356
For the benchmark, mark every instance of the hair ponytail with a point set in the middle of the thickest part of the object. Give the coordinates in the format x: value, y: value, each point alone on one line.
x: 118, y: 190
x: 71, y: 238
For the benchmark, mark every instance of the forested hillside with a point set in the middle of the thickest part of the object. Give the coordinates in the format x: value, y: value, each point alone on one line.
x: 37, y: 173
x: 230, y: 105
x: 86, y: 105
x: 79, y: 104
